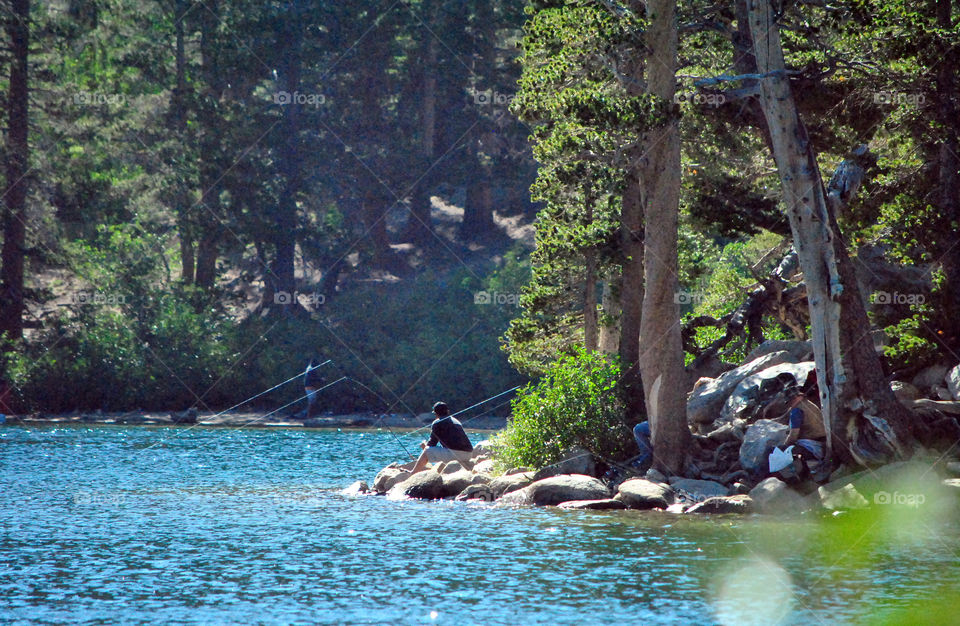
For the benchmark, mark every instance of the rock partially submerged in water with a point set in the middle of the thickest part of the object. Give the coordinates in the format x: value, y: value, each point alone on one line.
x: 640, y: 493
x: 740, y: 504
x: 698, y: 490
x: 556, y: 489
x: 426, y: 485
x: 773, y: 495
x: 609, y: 504
x: 388, y: 477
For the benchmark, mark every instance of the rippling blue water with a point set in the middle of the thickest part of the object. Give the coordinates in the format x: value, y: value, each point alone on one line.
x: 157, y: 525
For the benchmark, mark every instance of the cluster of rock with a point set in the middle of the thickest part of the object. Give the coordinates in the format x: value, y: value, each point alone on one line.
x: 573, y: 484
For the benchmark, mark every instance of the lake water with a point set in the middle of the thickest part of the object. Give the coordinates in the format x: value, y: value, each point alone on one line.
x: 166, y: 525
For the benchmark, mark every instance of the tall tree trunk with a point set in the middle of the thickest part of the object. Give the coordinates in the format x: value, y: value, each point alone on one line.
x: 609, y: 340
x: 949, y: 184
x: 848, y: 368
x: 661, y: 346
x: 478, y: 212
x: 210, y: 153
x: 183, y: 205
x: 285, y: 219
x: 631, y: 276
x: 419, y: 229
x: 17, y: 156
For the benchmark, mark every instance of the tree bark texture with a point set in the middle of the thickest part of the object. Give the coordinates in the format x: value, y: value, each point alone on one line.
x: 661, y: 346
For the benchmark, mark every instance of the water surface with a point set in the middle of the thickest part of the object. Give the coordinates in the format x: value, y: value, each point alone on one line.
x: 205, y: 525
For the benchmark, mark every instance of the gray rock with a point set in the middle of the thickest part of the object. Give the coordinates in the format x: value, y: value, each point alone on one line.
x: 841, y: 498
x: 575, y: 461
x: 357, y: 488
x: 759, y: 440
x: 425, y: 485
x: 655, y: 476
x: 556, y: 489
x: 953, y: 382
x: 905, y: 392
x: 710, y: 394
x: 726, y: 432
x: 388, y: 477
x: 773, y: 495
x: 184, y: 417
x: 724, y: 504
x: 640, y: 493
x: 502, y: 485
x: 593, y: 505
x: 931, y: 376
x: 756, y: 390
x: 798, y: 350
x: 450, y: 467
x: 699, y: 489
x: 477, y: 492
x: 454, y: 484
x: 484, y: 467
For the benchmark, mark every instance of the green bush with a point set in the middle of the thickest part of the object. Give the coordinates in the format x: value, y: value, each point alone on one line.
x: 576, y: 403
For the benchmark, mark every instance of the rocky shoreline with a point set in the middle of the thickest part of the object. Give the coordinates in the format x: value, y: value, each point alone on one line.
x: 248, y: 420
x: 575, y: 484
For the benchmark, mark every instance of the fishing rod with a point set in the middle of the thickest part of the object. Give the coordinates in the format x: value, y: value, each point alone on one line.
x: 310, y: 369
x: 293, y: 402
x: 502, y: 393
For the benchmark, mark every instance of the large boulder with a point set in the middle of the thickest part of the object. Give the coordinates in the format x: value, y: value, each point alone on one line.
x: 594, y: 505
x: 929, y: 377
x: 477, y: 492
x: 575, y: 461
x: 698, y: 490
x: 758, y: 441
x: 388, y: 477
x: 756, y: 390
x: 841, y: 498
x: 454, y: 484
x: 798, y: 350
x: 640, y: 493
x: 710, y: 394
x: 724, y: 504
x: 502, y: 485
x: 953, y: 382
x: 556, y: 489
x: 484, y: 467
x: 773, y: 495
x: 425, y: 485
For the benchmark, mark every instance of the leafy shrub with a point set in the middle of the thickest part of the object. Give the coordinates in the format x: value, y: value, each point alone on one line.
x: 576, y: 403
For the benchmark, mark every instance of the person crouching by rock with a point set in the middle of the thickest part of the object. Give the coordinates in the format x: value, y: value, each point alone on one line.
x: 448, y: 441
x: 806, y: 438
x: 312, y: 381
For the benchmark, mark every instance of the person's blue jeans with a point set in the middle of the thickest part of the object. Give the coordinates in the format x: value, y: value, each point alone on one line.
x: 641, y: 432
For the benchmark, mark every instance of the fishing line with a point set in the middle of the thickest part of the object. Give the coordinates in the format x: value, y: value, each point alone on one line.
x: 388, y: 405
x: 271, y: 389
x: 294, y: 401
x: 471, y: 407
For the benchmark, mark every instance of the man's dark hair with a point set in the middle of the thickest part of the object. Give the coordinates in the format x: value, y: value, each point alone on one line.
x: 440, y: 409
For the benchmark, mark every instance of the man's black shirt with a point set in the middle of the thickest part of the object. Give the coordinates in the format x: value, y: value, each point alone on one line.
x: 448, y: 432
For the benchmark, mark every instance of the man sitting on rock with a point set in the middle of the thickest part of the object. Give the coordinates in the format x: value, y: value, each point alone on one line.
x: 454, y: 445
x: 807, y: 433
